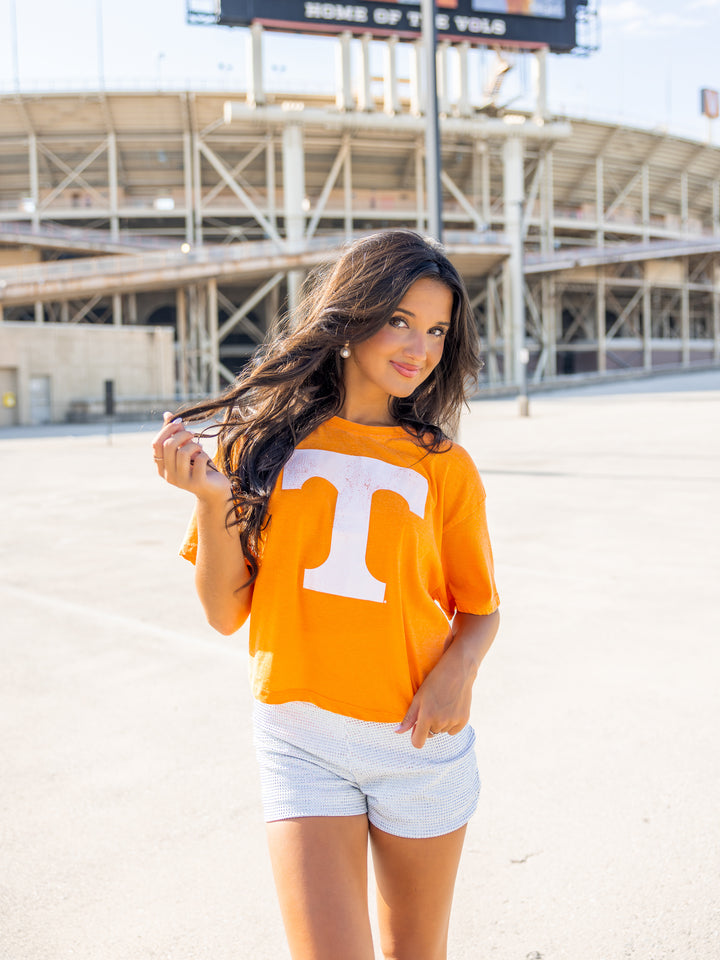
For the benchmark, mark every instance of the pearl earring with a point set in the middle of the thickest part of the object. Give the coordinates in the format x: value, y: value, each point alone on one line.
x: 345, y: 352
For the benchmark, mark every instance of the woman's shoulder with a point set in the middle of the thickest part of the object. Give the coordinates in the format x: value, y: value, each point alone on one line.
x: 456, y: 458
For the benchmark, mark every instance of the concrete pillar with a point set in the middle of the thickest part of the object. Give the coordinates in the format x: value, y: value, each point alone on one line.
x: 34, y: 180
x: 550, y: 325
x: 113, y: 186
x: 182, y: 342
x: 213, y: 340
x: 486, y: 191
x: 271, y: 208
x: 419, y: 187
x: 716, y: 315
x: 547, y: 205
x: 39, y: 312
x: 462, y: 79
x: 117, y: 309
x: 365, y: 97
x: 600, y: 321
x: 514, y: 197
x: 65, y: 312
x: 198, y: 338
x: 188, y: 184
x: 347, y: 193
x: 507, y: 328
x: 441, y: 66
x: 416, y: 78
x: 716, y: 208
x: 343, y: 72
x: 294, y: 192
x: 390, y: 80
x: 256, y: 90
x: 197, y: 191
x: 684, y: 212
x: 132, y: 312
x: 491, y: 332
x: 600, y: 202
x: 646, y: 202
x: 647, y: 323
x: 685, y: 316
x: 538, y: 66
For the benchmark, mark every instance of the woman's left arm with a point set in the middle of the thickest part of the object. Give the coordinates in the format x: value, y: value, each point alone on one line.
x: 442, y: 702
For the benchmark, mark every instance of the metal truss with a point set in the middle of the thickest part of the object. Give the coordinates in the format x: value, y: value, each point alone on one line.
x: 287, y: 176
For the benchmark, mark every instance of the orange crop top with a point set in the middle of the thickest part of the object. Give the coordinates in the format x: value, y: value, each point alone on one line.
x: 372, y: 546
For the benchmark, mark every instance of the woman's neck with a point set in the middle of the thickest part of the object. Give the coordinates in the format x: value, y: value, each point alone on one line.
x: 369, y: 415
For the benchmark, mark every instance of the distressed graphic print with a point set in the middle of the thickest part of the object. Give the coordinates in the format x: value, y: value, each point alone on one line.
x: 356, y: 479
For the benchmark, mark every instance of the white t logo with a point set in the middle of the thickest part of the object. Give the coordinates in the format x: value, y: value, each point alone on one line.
x: 356, y: 479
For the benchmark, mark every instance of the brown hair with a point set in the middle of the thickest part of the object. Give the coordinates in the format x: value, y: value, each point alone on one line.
x: 295, y: 381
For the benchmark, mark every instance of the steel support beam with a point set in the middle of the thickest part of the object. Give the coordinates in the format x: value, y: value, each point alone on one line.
x: 469, y: 209
x: 239, y: 315
x: 241, y: 194
x: 340, y: 158
x: 513, y: 167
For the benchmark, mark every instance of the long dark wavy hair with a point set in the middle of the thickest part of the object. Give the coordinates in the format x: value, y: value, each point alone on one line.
x: 294, y: 382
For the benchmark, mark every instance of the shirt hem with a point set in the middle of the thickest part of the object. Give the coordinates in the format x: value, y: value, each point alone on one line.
x: 333, y: 706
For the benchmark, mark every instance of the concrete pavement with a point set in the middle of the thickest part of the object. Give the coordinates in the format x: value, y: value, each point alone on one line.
x: 130, y: 825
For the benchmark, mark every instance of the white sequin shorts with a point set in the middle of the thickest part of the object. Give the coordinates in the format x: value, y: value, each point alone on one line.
x: 314, y: 763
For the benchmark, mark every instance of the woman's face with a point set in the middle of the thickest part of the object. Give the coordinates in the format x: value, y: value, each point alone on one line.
x: 394, y: 361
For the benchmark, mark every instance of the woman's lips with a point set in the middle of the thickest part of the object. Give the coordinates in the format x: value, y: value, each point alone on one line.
x: 405, y: 369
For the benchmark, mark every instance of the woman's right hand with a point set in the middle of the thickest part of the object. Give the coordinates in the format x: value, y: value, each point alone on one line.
x: 181, y: 460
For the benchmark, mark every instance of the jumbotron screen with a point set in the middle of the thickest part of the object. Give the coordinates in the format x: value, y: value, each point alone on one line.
x: 548, y: 23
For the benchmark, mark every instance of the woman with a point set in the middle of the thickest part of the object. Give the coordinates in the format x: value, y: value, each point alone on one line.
x: 352, y: 530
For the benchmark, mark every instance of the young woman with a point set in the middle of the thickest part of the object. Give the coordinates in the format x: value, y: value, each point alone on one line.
x: 341, y: 518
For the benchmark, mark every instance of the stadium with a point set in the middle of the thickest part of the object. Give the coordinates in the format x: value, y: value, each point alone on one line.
x: 150, y: 240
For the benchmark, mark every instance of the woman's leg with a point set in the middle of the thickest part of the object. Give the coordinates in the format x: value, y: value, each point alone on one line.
x: 320, y: 869
x: 415, y: 883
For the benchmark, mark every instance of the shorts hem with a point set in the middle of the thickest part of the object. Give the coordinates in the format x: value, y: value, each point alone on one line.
x: 426, y: 833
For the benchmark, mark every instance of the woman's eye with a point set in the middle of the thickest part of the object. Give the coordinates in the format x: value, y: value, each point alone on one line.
x: 397, y: 322
x: 438, y: 331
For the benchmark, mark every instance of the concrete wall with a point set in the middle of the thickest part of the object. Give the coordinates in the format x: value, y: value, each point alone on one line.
x: 16, y: 256
x: 67, y: 366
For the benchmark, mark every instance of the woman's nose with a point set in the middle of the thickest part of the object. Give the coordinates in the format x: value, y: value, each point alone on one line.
x: 415, y: 346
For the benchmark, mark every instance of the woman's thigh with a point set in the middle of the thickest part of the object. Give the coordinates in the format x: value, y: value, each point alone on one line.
x: 320, y: 870
x: 415, y: 884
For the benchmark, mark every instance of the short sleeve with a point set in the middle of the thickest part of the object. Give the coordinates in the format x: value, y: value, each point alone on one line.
x: 466, y: 552
x: 468, y: 564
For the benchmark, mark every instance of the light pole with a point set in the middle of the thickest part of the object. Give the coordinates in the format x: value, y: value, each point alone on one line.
x: 433, y: 166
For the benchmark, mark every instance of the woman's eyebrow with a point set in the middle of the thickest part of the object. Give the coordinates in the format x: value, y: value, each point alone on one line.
x: 409, y: 313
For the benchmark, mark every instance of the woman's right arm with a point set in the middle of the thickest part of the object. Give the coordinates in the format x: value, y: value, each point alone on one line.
x: 220, y: 568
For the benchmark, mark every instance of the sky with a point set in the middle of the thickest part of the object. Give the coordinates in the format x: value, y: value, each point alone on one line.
x: 654, y: 57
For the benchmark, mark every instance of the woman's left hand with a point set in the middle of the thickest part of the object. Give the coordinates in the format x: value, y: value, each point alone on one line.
x: 442, y: 702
